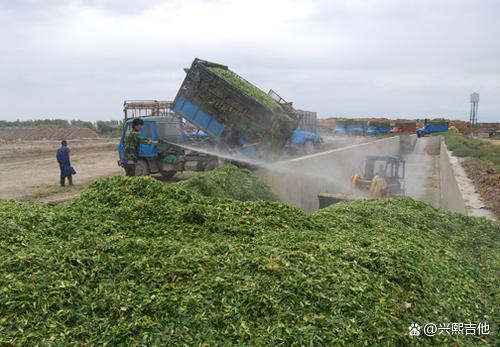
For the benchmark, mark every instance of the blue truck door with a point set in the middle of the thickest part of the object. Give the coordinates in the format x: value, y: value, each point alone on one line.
x: 150, y: 132
x: 126, y: 128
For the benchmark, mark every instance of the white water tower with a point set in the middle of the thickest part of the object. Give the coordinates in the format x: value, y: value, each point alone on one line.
x: 474, y: 106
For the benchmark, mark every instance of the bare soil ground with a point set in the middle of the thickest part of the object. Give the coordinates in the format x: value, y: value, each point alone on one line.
x: 494, y: 142
x: 29, y: 171
x: 46, y: 133
x: 486, y: 182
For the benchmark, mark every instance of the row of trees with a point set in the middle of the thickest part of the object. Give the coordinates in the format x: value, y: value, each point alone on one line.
x: 101, y: 127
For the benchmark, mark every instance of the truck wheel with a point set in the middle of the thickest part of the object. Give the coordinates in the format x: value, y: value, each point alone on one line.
x: 308, y: 147
x: 167, y: 174
x: 142, y: 168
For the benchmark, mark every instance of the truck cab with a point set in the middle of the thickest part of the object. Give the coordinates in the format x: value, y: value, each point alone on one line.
x: 304, y: 139
x: 174, y: 135
x: 432, y: 127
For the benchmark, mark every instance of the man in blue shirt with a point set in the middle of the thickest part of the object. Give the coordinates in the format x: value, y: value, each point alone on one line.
x: 63, y: 159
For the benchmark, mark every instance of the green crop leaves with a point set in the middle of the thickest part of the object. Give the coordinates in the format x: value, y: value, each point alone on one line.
x: 134, y: 261
x: 247, y: 88
x: 230, y: 182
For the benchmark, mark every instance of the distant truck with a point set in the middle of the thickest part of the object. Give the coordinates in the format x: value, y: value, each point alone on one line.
x: 404, y: 127
x: 350, y: 128
x: 356, y: 128
x: 432, y: 127
x: 377, y: 128
x: 340, y: 129
x: 305, y: 138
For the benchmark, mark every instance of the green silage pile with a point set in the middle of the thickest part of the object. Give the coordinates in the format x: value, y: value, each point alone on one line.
x: 137, y: 262
x: 230, y: 182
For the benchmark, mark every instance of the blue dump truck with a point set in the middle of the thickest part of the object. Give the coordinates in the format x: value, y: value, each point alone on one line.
x: 356, y: 128
x: 161, y: 124
x: 350, y: 127
x: 232, y: 115
x: 432, y: 127
x: 305, y: 139
x: 378, y: 127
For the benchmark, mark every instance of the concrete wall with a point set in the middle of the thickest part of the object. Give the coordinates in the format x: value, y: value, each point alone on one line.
x: 299, y: 181
x: 451, y: 198
x: 457, y: 190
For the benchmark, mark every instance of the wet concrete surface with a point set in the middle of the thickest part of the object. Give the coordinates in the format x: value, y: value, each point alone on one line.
x: 422, y: 171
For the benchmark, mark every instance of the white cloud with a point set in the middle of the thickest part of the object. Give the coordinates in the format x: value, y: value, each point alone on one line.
x: 348, y: 57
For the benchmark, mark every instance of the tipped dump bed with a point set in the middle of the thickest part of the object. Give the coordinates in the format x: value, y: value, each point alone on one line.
x: 214, y: 98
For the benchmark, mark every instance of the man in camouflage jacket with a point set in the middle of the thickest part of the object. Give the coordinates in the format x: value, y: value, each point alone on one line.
x: 131, y: 146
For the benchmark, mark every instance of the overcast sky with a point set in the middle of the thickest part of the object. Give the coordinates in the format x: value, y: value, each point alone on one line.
x: 82, y: 58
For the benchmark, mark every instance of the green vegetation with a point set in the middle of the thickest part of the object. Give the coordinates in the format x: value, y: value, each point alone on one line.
x: 60, y: 123
x: 111, y: 128
x: 464, y: 146
x: 101, y: 127
x: 247, y: 88
x: 137, y: 262
x: 230, y: 182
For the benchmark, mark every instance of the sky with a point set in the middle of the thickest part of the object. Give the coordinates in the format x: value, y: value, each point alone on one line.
x: 80, y: 59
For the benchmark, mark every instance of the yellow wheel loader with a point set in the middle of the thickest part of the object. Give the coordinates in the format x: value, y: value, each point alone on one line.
x: 383, y: 177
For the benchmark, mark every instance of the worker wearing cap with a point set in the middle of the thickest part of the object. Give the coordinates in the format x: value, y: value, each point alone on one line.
x: 131, y: 147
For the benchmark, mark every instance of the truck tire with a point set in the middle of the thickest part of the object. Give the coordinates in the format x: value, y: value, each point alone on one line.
x: 167, y: 174
x: 308, y: 147
x: 142, y: 168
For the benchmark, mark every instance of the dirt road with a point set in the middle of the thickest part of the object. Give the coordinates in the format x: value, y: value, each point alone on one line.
x: 29, y: 170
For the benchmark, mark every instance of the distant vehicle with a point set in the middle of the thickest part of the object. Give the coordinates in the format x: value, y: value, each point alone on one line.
x: 304, y: 141
x: 377, y: 131
x: 404, y: 127
x: 376, y: 128
x: 305, y: 138
x: 356, y: 129
x: 494, y: 133
x: 350, y: 128
x: 340, y: 130
x: 432, y: 127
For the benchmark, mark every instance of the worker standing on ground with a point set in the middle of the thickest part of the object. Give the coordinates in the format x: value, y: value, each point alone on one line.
x: 131, y: 146
x: 63, y: 158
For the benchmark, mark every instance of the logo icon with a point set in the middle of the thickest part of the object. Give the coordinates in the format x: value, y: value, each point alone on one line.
x: 414, y: 329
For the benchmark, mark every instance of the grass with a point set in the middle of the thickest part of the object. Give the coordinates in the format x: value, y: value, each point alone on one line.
x: 464, y: 146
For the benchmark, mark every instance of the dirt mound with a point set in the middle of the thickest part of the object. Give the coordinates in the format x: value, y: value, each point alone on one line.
x: 46, y: 133
x: 486, y: 181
